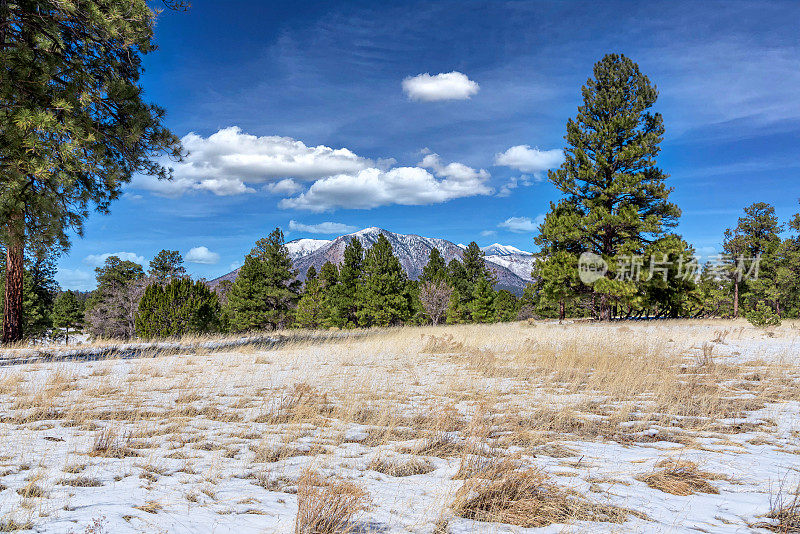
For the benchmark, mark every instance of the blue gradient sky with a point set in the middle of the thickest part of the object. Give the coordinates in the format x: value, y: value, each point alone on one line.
x: 331, y: 74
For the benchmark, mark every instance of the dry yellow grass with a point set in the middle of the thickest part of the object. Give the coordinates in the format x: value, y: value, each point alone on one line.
x: 414, y: 397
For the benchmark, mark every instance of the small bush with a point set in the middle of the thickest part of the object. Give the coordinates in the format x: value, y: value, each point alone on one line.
x: 763, y: 316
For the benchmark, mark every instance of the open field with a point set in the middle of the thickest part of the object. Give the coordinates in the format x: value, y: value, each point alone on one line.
x: 636, y: 427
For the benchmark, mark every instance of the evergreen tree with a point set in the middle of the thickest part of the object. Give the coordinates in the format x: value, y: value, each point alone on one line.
x: 73, y: 125
x: 556, y: 280
x: 506, y: 306
x: 754, y: 237
x: 345, y: 304
x: 713, y: 294
x: 266, y: 289
x: 328, y: 286
x: 311, y: 274
x: 385, y: 299
x: 67, y: 313
x: 311, y: 310
x: 40, y: 289
x: 436, y: 268
x: 616, y: 199
x: 672, y: 289
x: 458, y: 307
x: 787, y: 272
x: 482, y: 303
x: 167, y: 265
x: 180, y: 307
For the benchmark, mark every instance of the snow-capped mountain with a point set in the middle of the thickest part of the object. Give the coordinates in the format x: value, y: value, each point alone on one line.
x: 300, y: 248
x: 520, y: 262
x: 412, y: 251
x: 503, y: 250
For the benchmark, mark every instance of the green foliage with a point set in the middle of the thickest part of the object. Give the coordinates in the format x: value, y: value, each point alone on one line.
x: 481, y: 306
x: 762, y: 316
x: 344, y: 298
x: 436, y: 269
x: 68, y: 312
x: 180, y: 307
x: 506, y: 306
x: 266, y: 290
x: 384, y: 296
x: 311, y: 309
x: 167, y: 264
x: 616, y: 199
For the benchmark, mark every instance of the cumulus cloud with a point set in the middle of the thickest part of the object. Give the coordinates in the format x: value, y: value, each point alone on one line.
x: 287, y: 186
x: 527, y: 159
x: 202, y: 255
x: 409, y: 186
x: 97, y: 260
x: 225, y: 162
x: 444, y: 86
x: 522, y: 224
x: 327, y: 227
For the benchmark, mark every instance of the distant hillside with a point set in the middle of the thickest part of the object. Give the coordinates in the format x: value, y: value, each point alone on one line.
x: 511, y: 266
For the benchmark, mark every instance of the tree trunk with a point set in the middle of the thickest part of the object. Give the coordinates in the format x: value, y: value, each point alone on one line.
x: 561, y: 310
x: 735, y: 299
x: 12, y: 318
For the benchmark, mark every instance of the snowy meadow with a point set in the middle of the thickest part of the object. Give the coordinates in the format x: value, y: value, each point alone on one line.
x: 678, y: 426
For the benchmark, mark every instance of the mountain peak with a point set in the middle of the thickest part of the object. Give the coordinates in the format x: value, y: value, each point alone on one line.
x: 497, y: 249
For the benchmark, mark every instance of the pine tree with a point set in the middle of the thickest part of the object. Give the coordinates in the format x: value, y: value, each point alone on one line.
x: 787, y: 273
x: 436, y: 269
x: 385, y: 299
x: 180, y: 307
x: 167, y: 265
x: 506, y: 306
x: 754, y: 237
x: 345, y: 301
x: 458, y: 308
x: 328, y: 286
x: 40, y: 289
x: 67, y: 313
x: 616, y: 199
x: 266, y: 289
x: 311, y: 311
x: 73, y: 125
x: 482, y: 304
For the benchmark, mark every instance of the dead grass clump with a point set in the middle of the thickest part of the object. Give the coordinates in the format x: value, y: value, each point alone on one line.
x: 151, y: 507
x: 527, y: 499
x: 680, y: 477
x: 109, y: 444
x: 80, y: 482
x: 12, y: 525
x: 396, y: 468
x: 784, y: 507
x: 302, y: 402
x: 440, y: 345
x: 327, y: 506
x: 440, y: 444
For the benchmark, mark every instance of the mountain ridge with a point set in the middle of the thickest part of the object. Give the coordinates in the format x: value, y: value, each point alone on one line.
x: 510, y: 265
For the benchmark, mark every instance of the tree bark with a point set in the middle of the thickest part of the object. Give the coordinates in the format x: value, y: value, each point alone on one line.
x: 12, y: 316
x: 735, y: 299
x: 561, y: 310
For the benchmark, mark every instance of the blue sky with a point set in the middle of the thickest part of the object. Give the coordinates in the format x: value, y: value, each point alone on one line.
x: 321, y: 112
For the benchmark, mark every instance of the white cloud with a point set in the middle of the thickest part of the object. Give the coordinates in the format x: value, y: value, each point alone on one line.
x: 445, y: 86
x: 527, y: 159
x: 487, y: 233
x: 322, y: 228
x: 75, y: 279
x: 97, y: 260
x: 515, y: 182
x: 287, y: 186
x: 455, y: 171
x: 226, y: 161
x: 409, y: 186
x: 202, y: 255
x: 522, y: 224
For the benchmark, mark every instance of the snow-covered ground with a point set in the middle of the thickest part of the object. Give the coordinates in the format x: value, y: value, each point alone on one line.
x: 220, y: 441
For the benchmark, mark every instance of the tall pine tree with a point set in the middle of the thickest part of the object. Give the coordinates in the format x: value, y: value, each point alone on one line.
x: 266, y: 290
x: 385, y: 299
x: 616, y: 200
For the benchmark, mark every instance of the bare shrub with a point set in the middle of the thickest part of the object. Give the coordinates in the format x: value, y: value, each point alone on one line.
x: 434, y: 297
x: 784, y: 506
x: 327, y: 506
x: 680, y: 477
x: 111, y: 444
